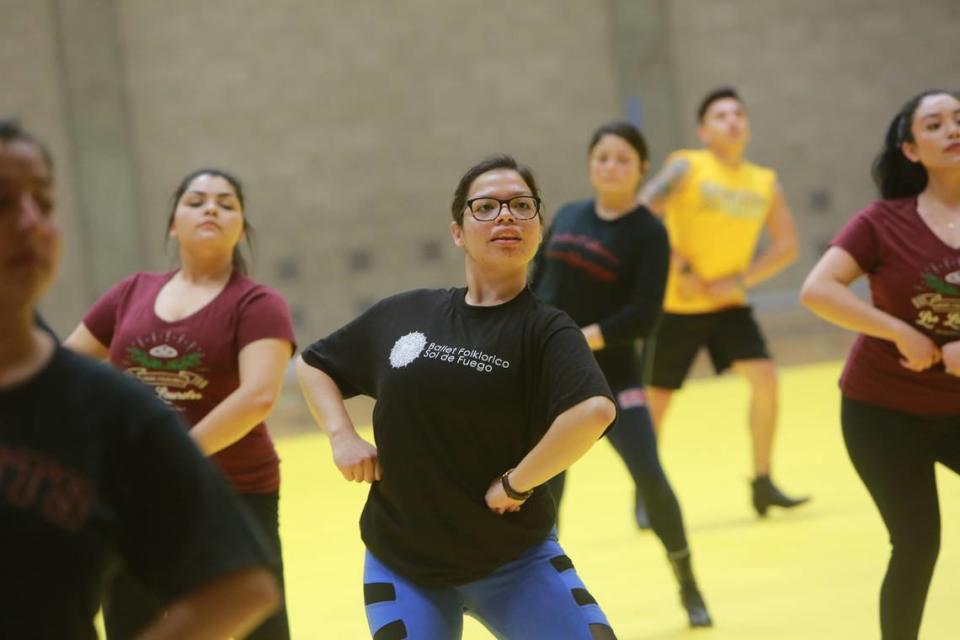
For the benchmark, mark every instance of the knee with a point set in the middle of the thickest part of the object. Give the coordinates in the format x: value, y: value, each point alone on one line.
x: 761, y: 375
x: 920, y: 549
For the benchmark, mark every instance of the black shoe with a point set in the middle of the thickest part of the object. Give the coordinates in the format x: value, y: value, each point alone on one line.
x: 690, y: 596
x: 766, y: 495
x: 697, y: 613
x: 640, y: 512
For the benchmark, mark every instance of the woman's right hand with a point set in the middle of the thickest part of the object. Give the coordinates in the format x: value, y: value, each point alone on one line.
x: 919, y: 352
x: 355, y: 457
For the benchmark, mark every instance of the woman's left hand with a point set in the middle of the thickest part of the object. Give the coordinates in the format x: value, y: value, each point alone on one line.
x: 950, y: 354
x: 498, y: 501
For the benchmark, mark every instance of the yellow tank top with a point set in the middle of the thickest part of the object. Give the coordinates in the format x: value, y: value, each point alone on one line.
x: 714, y: 217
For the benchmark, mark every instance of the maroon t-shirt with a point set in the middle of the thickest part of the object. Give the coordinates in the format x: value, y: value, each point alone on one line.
x: 913, y: 276
x: 193, y: 363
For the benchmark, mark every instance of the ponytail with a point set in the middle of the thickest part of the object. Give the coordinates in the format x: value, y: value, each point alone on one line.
x: 895, y: 175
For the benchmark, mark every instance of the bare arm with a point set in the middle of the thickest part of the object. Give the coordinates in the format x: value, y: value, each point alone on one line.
x: 659, y: 186
x: 784, y: 243
x: 826, y: 292
x: 262, y: 364
x: 355, y: 457
x: 84, y: 342
x: 569, y: 437
x: 228, y: 606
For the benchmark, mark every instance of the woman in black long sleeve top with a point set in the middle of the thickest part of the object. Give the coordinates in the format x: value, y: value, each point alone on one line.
x: 604, y: 262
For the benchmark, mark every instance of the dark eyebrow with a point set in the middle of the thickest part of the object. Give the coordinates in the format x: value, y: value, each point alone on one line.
x: 218, y: 195
x: 515, y: 194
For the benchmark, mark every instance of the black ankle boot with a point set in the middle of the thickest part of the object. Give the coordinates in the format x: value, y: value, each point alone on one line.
x: 640, y: 512
x: 766, y: 495
x: 690, y: 595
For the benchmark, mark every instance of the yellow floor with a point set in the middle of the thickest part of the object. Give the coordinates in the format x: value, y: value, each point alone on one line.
x: 812, y: 574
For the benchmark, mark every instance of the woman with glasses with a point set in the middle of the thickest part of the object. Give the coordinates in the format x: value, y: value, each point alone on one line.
x: 483, y: 393
x: 604, y: 262
x: 900, y: 388
x: 211, y: 342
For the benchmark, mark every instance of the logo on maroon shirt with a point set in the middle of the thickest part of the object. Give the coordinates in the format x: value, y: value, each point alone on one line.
x: 938, y: 307
x: 169, y: 363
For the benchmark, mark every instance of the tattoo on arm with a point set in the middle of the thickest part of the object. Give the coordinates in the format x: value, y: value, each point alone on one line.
x: 661, y: 184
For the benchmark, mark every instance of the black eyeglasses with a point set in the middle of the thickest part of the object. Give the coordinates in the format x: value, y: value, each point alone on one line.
x: 486, y: 209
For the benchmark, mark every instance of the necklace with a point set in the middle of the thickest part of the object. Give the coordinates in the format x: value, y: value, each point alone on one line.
x: 939, y: 214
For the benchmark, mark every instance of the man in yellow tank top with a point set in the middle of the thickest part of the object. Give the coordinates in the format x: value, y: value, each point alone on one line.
x: 715, y: 204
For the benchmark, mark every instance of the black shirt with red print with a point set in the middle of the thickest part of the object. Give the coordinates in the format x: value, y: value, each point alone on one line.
x: 609, y: 272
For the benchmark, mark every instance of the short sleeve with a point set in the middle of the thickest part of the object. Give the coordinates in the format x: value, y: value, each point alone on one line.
x: 180, y: 524
x: 101, y: 318
x: 348, y: 355
x: 570, y: 372
x: 859, y: 238
x: 263, y: 314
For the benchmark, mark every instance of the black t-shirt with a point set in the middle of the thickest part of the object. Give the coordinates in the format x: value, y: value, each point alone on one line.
x: 462, y: 393
x: 611, y: 272
x: 94, y: 470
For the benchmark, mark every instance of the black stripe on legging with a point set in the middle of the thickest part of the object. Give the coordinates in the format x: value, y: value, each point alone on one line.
x: 561, y: 563
x: 582, y: 596
x: 396, y: 630
x: 374, y: 592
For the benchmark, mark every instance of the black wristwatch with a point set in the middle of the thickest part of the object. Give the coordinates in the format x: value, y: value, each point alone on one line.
x: 510, y: 491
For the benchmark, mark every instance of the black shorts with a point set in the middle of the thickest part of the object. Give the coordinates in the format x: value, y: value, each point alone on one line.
x: 729, y: 335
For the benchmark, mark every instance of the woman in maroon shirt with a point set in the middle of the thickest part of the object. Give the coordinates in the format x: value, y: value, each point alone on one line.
x: 212, y: 343
x: 901, y: 384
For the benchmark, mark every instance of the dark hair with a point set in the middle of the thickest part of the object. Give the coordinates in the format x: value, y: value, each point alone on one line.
x: 895, y: 175
x: 717, y: 94
x: 630, y: 133
x: 500, y: 161
x: 239, y: 262
x: 11, y: 131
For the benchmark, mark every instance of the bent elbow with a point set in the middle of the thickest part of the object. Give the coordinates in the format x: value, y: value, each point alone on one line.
x: 262, y: 592
x: 264, y: 401
x: 602, y: 411
x: 810, y: 295
x: 791, y: 251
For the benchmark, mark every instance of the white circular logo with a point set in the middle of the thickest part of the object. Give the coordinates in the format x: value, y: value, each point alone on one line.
x: 953, y: 278
x: 407, y: 349
x: 163, y: 351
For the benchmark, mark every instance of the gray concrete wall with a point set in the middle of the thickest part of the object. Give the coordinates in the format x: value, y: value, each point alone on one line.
x: 350, y: 123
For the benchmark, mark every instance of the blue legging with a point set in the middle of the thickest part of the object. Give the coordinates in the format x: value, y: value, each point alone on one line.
x: 634, y: 439
x: 538, y: 596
